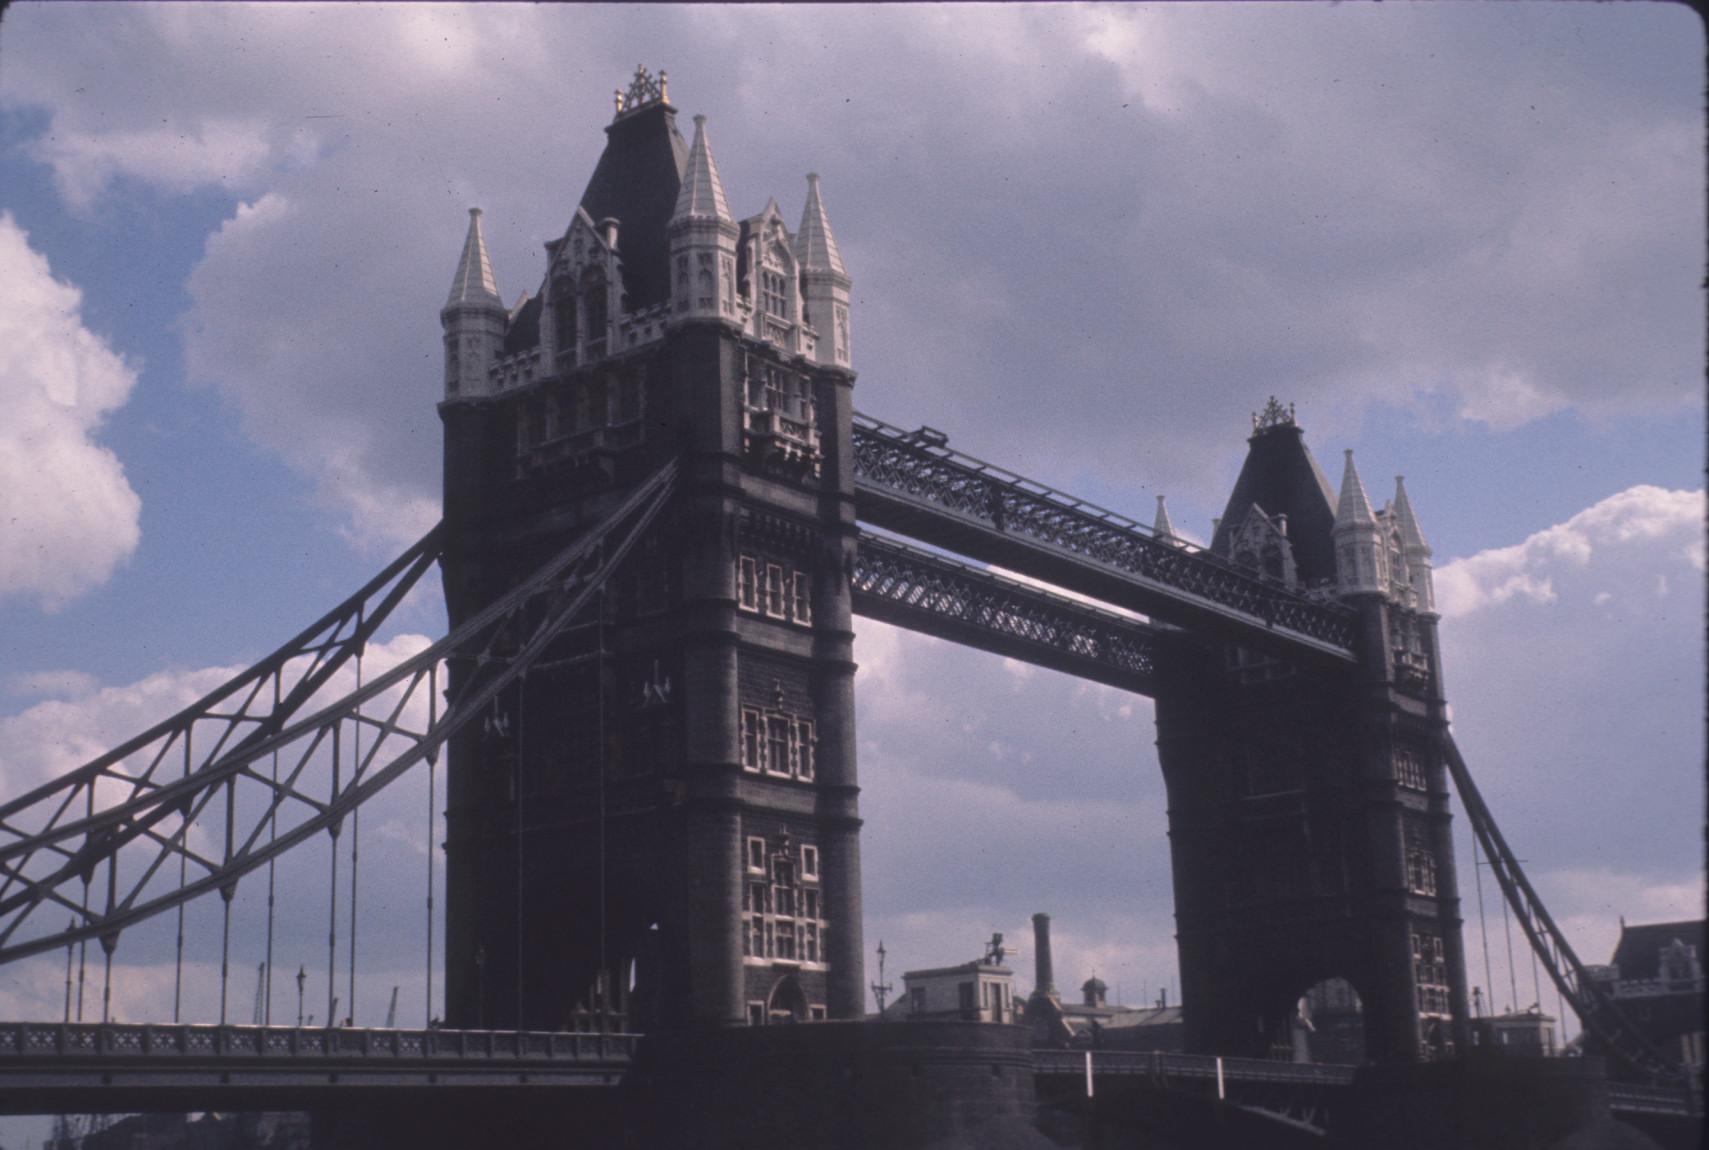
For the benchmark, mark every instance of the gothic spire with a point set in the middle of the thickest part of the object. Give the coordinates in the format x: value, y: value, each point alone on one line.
x: 1354, y: 508
x: 1163, y: 529
x: 702, y: 194
x: 815, y: 244
x: 474, y: 284
x: 1408, y: 522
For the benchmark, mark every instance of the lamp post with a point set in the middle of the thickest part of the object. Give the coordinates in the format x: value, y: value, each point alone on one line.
x: 880, y: 989
x: 302, y: 981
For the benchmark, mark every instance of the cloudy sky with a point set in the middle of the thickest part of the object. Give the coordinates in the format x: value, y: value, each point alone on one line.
x: 1465, y: 240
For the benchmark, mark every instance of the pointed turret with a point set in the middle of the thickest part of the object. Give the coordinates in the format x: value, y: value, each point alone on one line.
x: 702, y: 239
x: 1416, y: 548
x: 474, y: 285
x: 825, y: 281
x: 814, y: 242
x: 1163, y: 528
x: 474, y: 318
x: 1358, y: 537
x: 702, y: 194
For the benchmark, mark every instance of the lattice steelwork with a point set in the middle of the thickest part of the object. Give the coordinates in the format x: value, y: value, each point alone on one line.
x: 903, y: 585
x: 96, y: 842
x: 1598, y: 1012
x: 915, y: 485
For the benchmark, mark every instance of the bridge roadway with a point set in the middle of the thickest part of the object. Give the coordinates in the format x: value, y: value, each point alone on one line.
x: 118, y: 1068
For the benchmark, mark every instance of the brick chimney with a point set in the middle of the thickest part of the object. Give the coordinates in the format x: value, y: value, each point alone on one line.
x: 1044, y: 981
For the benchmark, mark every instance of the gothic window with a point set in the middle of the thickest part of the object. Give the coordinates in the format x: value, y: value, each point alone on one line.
x: 774, y: 605
x: 803, y: 399
x: 774, y: 294
x: 707, y: 296
x: 594, y: 309
x: 803, y: 599
x: 1409, y: 771
x: 747, y: 584
x: 1420, y: 862
x: 752, y: 747
x: 778, y: 741
x: 756, y: 854
x: 1430, y: 974
x: 682, y: 278
x: 564, y: 316
x: 804, y: 749
x: 774, y: 384
x: 1273, y: 562
x: 809, y: 860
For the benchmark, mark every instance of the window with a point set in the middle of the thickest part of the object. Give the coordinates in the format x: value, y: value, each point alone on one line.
x: 1420, y: 863
x: 564, y: 316
x: 751, y: 746
x: 803, y: 399
x: 809, y: 860
x: 816, y: 1013
x: 756, y: 854
x: 804, y: 749
x: 916, y: 1000
x: 774, y: 297
x: 774, y: 591
x: 747, y: 585
x: 803, y: 599
x: 810, y: 901
x: 778, y: 731
x: 1409, y: 771
x: 810, y: 942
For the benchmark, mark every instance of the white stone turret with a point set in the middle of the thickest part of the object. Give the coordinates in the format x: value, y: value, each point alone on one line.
x: 474, y: 319
x: 1359, y: 558
x: 1415, y: 549
x: 703, y: 240
x: 1163, y: 529
x: 825, y: 282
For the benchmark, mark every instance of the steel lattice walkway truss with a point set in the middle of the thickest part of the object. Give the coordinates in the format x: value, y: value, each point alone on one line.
x: 192, y: 805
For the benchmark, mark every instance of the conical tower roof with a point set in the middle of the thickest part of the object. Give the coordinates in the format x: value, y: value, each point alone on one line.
x: 814, y: 242
x: 1354, y: 509
x: 701, y: 196
x: 1163, y: 529
x: 474, y: 285
x: 1281, y: 475
x: 1408, y: 522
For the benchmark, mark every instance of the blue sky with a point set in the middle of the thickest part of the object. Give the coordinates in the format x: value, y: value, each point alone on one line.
x: 1465, y: 240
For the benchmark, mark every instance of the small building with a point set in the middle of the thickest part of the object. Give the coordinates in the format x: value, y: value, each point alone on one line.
x: 1094, y: 1021
x: 977, y: 991
x: 1520, y: 1032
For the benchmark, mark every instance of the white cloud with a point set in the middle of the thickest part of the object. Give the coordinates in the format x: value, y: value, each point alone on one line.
x: 1662, y: 524
x: 68, y: 515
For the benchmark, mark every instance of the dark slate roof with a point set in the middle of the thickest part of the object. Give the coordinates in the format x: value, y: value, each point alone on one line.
x: 636, y: 181
x: 1281, y: 477
x: 524, y: 329
x: 1638, y: 954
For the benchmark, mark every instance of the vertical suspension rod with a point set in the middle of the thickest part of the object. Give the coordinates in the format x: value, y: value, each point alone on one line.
x: 183, y: 861
x: 432, y: 828
x: 226, y: 892
x: 332, y: 887
x: 355, y: 829
x: 272, y: 836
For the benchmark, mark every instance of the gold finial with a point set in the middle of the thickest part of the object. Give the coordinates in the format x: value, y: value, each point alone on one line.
x: 664, y: 98
x: 643, y: 90
x: 617, y: 97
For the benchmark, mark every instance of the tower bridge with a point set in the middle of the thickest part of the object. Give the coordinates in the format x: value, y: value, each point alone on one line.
x: 662, y: 515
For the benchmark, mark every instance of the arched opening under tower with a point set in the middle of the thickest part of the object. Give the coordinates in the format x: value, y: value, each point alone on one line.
x: 1330, y: 1023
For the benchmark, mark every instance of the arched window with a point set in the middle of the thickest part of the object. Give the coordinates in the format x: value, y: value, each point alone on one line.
x: 564, y: 318
x: 595, y: 316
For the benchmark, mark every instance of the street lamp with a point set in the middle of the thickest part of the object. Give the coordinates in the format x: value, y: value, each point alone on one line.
x: 302, y: 981
x: 880, y: 989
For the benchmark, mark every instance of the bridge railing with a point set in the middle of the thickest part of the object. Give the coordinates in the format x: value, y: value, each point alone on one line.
x: 39, y: 1041
x: 919, y: 472
x: 1162, y: 1064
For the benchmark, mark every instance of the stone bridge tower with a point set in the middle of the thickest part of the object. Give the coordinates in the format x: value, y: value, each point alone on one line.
x: 1309, y: 812
x: 659, y: 827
